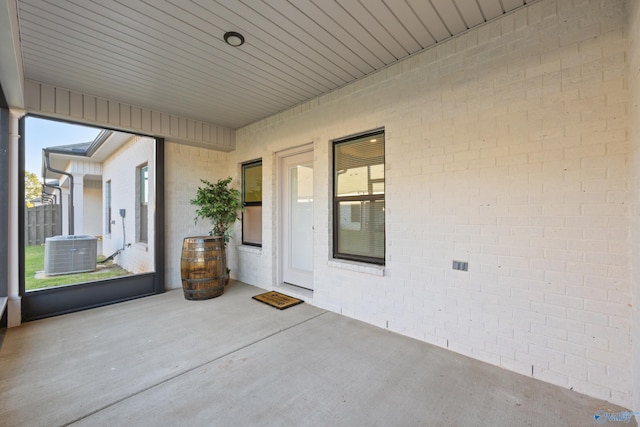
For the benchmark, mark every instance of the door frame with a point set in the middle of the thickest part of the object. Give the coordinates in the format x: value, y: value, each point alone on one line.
x: 279, y: 201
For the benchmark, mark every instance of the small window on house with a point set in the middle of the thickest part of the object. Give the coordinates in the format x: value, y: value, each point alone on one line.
x: 143, y: 203
x: 252, y: 198
x: 358, y: 197
x: 107, y: 207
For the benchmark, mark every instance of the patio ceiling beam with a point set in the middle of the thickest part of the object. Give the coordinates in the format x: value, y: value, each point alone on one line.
x: 55, y: 102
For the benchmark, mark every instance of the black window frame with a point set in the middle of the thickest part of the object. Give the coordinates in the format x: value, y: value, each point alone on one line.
x: 108, y: 208
x: 362, y: 199
x: 142, y: 201
x: 42, y: 303
x: 246, y: 165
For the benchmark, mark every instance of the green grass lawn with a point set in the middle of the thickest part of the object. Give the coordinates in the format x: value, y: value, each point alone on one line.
x: 34, y: 263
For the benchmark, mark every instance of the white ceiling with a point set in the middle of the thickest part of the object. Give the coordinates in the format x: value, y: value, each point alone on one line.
x: 169, y: 55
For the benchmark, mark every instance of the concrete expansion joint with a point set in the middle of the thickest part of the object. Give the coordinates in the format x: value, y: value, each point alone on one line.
x: 193, y: 368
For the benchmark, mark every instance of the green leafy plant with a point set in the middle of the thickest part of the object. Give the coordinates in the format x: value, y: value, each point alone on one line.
x: 219, y: 203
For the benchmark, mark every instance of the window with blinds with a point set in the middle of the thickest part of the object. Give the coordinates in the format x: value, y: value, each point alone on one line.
x: 358, y: 196
x: 252, y: 199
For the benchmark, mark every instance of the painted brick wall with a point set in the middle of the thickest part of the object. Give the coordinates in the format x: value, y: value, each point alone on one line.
x: 506, y: 147
x: 184, y: 167
x: 93, y: 211
x: 634, y: 86
x: 120, y: 169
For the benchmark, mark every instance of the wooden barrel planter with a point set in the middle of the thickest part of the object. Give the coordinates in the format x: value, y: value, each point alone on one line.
x: 203, y: 267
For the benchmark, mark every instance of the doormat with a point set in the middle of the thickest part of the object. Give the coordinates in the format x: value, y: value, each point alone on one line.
x: 277, y: 300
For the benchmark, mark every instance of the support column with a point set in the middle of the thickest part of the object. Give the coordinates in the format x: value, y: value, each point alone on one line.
x: 4, y: 208
x: 64, y: 210
x: 14, y: 308
x: 78, y: 204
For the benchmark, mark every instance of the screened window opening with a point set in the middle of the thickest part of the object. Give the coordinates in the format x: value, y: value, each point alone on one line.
x: 107, y: 207
x: 358, y: 216
x: 252, y: 199
x: 143, y: 203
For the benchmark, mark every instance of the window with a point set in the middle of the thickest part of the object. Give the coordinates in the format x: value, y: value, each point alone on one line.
x: 143, y: 203
x: 107, y: 207
x: 358, y: 197
x: 252, y: 198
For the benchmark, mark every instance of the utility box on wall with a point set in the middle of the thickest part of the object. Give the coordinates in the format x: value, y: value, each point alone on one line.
x: 70, y: 254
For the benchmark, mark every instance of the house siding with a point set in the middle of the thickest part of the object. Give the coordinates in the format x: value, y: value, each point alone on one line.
x: 506, y: 147
x: 120, y: 169
x: 65, y: 104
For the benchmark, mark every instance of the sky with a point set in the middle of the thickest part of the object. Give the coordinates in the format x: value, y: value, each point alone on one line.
x: 40, y: 133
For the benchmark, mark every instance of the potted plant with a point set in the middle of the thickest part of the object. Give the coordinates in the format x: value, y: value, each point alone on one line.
x: 203, y: 264
x: 221, y: 204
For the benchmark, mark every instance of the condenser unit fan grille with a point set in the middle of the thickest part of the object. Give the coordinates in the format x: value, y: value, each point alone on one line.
x: 70, y: 254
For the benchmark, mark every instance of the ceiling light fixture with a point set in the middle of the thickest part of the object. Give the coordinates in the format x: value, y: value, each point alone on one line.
x: 233, y: 38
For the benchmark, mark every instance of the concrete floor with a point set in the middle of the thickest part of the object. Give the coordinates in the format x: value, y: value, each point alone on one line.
x: 232, y: 361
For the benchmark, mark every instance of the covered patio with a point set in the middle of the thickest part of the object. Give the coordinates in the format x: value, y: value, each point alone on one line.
x: 497, y: 275
x: 162, y: 361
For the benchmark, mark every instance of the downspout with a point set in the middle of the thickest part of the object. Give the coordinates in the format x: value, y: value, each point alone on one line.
x: 55, y: 187
x: 71, y: 209
x: 47, y: 198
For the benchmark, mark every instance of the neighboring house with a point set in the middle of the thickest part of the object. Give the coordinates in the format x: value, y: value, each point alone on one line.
x: 99, y: 178
x: 128, y: 181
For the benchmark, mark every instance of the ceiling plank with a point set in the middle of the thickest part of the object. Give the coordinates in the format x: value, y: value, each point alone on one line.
x: 369, y: 23
x: 410, y: 20
x: 390, y: 22
x: 510, y: 5
x: 450, y: 16
x: 490, y: 8
x: 430, y: 18
x: 356, y: 29
x: 317, y: 38
x: 352, y: 46
x: 470, y: 12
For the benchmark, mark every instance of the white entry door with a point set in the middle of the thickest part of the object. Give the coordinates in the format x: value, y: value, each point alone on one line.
x: 296, y: 206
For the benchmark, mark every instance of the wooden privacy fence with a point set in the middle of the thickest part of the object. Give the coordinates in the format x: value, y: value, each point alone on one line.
x: 41, y: 222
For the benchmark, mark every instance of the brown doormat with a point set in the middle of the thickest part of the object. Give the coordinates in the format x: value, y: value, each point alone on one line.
x: 277, y: 300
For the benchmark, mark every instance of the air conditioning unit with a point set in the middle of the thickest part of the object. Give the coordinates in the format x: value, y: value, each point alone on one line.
x: 69, y: 254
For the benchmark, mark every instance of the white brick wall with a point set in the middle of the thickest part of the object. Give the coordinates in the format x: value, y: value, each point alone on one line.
x: 184, y: 167
x: 93, y: 212
x: 120, y: 169
x: 506, y: 147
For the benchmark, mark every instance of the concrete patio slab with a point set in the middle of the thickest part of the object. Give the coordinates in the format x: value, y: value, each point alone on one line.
x: 165, y: 361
